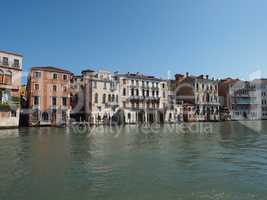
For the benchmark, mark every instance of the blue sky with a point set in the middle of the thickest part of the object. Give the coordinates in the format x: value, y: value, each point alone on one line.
x: 220, y: 38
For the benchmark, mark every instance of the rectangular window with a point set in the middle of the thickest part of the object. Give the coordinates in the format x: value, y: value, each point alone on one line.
x: 5, y: 60
x: 105, y: 85
x: 65, y: 88
x: 16, y: 63
x: 94, y: 84
x: 36, y: 101
x: 54, y: 76
x: 54, y: 88
x: 37, y: 75
x: 54, y: 101
x: 65, y: 77
x: 36, y: 86
x: 64, y: 101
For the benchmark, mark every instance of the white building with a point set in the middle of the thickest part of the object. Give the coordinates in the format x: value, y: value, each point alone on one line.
x: 201, y: 95
x: 249, y: 100
x: 99, y: 96
x: 10, y: 81
x: 174, y: 110
x: 143, y: 99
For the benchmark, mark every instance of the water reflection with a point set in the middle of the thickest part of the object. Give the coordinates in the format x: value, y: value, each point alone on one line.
x: 230, y: 162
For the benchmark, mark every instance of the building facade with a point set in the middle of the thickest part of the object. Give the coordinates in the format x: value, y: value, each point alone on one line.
x: 225, y: 98
x: 143, y: 99
x: 10, y: 81
x: 264, y: 99
x: 174, y: 110
x: 200, y: 94
x: 48, y: 96
x: 249, y: 100
x: 99, y: 96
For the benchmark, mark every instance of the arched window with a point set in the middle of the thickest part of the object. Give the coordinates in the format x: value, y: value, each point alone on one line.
x: 124, y: 91
x: 1, y: 76
x: 104, y: 98
x: 8, y: 78
x: 96, y: 98
x: 137, y: 92
x: 113, y: 98
x: 109, y: 97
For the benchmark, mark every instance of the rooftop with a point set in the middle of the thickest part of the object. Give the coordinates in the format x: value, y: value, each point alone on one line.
x: 87, y: 70
x: 12, y: 53
x: 139, y: 76
x: 51, y: 69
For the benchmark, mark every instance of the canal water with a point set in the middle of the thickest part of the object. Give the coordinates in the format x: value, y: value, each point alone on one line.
x: 226, y: 160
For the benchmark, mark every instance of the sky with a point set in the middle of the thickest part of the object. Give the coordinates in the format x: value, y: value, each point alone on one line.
x: 156, y: 37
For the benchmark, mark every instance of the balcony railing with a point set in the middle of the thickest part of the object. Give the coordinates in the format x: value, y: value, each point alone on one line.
x: 110, y: 103
x: 7, y: 64
x: 143, y: 98
x: 4, y: 63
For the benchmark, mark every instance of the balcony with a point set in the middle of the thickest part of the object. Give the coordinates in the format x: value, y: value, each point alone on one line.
x: 5, y: 64
x: 111, y: 104
x: 136, y: 98
x: 16, y: 65
x: 152, y: 98
x: 12, y: 103
x: 148, y: 98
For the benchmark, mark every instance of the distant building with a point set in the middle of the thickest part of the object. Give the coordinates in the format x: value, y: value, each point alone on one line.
x: 224, y: 97
x: 48, y: 95
x: 96, y: 96
x: 10, y: 80
x: 245, y: 101
x: 200, y: 95
x: 174, y: 110
x: 143, y: 99
x: 263, y: 99
x: 249, y: 100
x: 78, y: 99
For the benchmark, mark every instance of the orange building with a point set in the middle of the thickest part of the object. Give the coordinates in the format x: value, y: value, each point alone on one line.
x: 48, y: 94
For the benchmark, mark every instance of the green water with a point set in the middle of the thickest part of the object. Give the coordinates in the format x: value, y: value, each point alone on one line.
x: 227, y: 162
